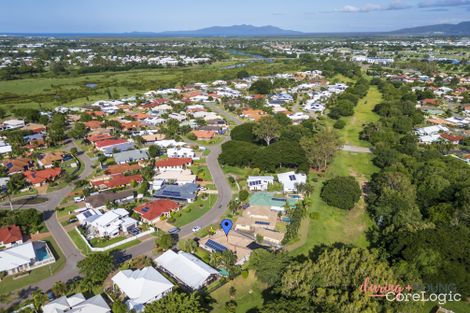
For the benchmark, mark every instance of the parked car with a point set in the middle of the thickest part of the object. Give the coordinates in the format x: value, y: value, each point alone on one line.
x: 196, y: 229
x: 73, y: 220
x: 174, y: 230
x: 78, y: 199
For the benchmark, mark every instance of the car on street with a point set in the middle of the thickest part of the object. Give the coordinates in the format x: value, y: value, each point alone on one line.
x: 196, y: 229
x: 174, y: 230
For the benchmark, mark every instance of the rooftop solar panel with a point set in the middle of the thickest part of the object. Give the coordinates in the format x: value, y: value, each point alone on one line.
x: 261, y: 223
x: 215, y: 246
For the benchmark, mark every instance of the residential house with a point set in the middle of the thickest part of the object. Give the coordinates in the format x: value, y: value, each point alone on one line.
x: 49, y: 159
x: 152, y: 212
x: 268, y: 199
x: 141, y: 286
x: 110, y: 146
x: 173, y: 164
x: 18, y: 165
x: 87, y: 216
x: 13, y: 124
x: 10, y: 235
x: 5, y: 148
x: 25, y: 256
x: 187, y: 269
x: 120, y: 169
x: 256, y: 220
x: 130, y: 156
x: 290, y: 180
x: 186, y: 192
x: 180, y: 152
x: 100, y: 200
x: 77, y: 304
x: 453, y: 139
x: 253, y: 114
x: 111, y: 224
x: 38, y: 178
x: 110, y: 182
x: 239, y: 244
x: 173, y: 177
x: 259, y: 183
x: 204, y: 134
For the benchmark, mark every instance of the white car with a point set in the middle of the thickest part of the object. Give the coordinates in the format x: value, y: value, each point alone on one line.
x: 196, y: 229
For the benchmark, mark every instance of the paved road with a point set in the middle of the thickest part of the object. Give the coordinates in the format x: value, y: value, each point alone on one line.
x: 357, y: 149
x: 212, y: 216
x: 229, y: 116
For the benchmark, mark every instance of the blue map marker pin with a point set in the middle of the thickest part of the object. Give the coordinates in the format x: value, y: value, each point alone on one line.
x: 226, y: 225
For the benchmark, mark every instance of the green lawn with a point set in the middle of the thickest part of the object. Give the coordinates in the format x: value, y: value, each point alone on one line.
x: 362, y: 115
x: 82, y: 246
x: 195, y: 210
x: 78, y: 241
x: 248, y: 294
x: 333, y: 224
x: 9, y: 284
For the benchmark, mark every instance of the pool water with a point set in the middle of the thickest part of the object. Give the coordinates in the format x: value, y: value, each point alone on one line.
x: 41, y: 254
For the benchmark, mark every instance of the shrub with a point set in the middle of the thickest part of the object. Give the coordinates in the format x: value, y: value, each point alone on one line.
x: 341, y: 192
x: 339, y: 124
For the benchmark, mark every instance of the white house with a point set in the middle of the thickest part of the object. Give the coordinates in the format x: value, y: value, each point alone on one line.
x: 13, y: 124
x: 259, y: 183
x: 186, y: 269
x: 77, y: 303
x: 181, y: 152
x: 290, y: 180
x: 23, y: 257
x: 88, y: 215
x: 141, y: 286
x: 4, y: 147
x: 111, y: 224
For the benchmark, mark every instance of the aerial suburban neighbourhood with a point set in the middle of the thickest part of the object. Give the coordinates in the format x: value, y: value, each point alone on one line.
x: 235, y: 168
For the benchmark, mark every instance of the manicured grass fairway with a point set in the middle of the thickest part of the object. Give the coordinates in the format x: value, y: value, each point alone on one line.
x: 8, y: 284
x: 362, y: 115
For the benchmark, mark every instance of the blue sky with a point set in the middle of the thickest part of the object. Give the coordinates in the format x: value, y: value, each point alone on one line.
x: 157, y: 15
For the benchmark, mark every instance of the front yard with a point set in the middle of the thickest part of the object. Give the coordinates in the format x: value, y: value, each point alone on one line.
x: 194, y: 210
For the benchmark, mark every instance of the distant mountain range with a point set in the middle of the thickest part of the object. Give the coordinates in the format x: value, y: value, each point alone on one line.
x: 234, y: 31
x: 461, y: 29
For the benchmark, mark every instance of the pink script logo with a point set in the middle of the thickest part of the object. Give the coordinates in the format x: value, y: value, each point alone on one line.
x: 378, y: 290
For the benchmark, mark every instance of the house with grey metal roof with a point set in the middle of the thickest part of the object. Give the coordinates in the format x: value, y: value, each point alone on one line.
x: 130, y: 156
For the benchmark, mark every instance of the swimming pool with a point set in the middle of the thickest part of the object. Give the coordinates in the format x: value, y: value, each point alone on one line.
x: 41, y: 253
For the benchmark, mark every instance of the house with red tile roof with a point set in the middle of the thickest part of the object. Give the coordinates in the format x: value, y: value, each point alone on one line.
x: 116, y: 181
x: 94, y: 124
x: 108, y: 146
x: 173, y: 164
x: 18, y: 165
x: 204, y: 134
x: 433, y: 102
x: 10, y: 235
x: 118, y: 169
x: 98, y: 137
x: 454, y: 139
x: 40, y: 177
x: 151, y: 212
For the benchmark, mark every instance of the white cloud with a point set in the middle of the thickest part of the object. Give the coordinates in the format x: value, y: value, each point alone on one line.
x: 369, y: 7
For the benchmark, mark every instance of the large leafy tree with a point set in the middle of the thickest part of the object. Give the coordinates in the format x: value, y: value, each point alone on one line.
x: 321, y: 147
x: 267, y: 129
x: 96, y: 267
x: 177, y: 302
x: 341, y: 192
